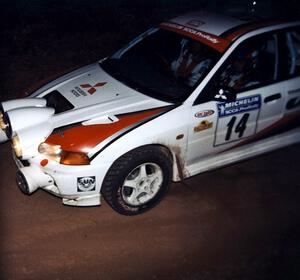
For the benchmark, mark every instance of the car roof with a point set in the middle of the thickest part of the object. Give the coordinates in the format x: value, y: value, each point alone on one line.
x: 217, y: 30
x: 209, y: 22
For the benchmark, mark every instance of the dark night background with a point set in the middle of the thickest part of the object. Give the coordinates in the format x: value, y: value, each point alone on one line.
x: 241, y: 228
x: 42, y: 38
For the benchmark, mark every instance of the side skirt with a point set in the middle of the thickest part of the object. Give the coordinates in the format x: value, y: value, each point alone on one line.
x: 246, y: 152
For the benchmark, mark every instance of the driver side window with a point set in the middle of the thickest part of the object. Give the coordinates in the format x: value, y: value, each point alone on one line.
x: 292, y: 41
x: 253, y: 64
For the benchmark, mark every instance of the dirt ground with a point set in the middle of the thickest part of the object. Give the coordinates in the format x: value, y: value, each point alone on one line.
x: 239, y: 222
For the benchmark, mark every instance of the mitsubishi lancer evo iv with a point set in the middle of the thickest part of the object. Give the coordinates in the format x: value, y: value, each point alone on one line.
x: 195, y: 93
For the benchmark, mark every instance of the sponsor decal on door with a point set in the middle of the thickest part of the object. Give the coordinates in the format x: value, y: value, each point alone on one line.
x: 237, y: 119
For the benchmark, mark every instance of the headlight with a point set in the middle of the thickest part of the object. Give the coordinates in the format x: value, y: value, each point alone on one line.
x: 17, y: 145
x: 51, y: 150
x: 2, y: 122
x: 3, y: 125
x: 55, y: 152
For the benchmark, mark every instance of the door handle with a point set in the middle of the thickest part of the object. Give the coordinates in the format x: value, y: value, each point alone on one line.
x: 272, y: 97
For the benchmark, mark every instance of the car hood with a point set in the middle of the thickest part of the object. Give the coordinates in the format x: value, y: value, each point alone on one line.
x: 91, y: 85
x: 103, y: 108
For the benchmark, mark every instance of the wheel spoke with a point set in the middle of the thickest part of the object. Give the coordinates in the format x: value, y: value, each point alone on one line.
x: 131, y: 183
x: 148, y: 191
x: 143, y: 198
x: 156, y: 176
x: 142, y: 171
x: 134, y: 197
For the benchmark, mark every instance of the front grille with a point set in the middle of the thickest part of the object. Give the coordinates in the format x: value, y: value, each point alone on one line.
x: 25, y: 162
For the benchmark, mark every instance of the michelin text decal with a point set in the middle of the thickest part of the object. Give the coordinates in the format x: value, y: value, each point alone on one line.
x: 239, y: 106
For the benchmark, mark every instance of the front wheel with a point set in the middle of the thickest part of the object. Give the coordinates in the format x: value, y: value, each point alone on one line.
x: 138, y: 180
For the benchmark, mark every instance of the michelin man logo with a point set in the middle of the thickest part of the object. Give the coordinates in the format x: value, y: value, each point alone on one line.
x: 86, y: 184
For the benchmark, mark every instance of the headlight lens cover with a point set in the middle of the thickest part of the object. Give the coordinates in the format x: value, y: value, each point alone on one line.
x: 50, y: 150
x: 3, y: 125
x: 5, y: 122
x: 55, y: 152
x: 16, y: 145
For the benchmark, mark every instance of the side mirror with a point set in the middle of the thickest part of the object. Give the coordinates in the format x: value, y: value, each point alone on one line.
x: 225, y: 95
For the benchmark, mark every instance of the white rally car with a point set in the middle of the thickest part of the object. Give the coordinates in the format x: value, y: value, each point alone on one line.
x: 196, y: 93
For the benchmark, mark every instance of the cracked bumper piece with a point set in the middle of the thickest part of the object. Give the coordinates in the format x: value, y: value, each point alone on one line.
x: 30, y: 178
x: 76, y: 186
x: 88, y: 200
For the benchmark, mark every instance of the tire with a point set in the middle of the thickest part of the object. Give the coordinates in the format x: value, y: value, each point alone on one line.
x: 138, y: 180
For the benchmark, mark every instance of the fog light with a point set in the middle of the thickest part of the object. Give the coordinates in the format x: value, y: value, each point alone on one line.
x: 3, y: 125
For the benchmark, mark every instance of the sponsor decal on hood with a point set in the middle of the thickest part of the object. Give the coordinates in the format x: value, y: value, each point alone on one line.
x: 92, y: 85
x: 92, y: 89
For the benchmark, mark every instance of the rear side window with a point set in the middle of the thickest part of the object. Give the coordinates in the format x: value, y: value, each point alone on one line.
x: 292, y: 41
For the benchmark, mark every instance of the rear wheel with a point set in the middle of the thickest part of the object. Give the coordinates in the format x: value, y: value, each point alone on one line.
x: 138, y: 180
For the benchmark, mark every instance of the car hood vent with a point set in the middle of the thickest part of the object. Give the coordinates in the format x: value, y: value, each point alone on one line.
x: 102, y: 120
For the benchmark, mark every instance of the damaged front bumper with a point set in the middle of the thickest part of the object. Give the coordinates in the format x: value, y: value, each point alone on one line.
x: 76, y: 185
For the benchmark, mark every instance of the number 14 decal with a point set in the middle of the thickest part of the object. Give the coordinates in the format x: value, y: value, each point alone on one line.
x: 239, y: 128
x: 235, y: 127
x: 237, y: 119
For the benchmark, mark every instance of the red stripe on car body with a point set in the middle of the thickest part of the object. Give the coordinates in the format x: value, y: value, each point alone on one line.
x: 83, y: 138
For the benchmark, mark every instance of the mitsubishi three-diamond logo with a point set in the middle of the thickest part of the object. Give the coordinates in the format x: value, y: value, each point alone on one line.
x: 92, y: 89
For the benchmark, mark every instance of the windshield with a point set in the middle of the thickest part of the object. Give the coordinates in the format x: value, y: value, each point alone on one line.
x: 164, y: 65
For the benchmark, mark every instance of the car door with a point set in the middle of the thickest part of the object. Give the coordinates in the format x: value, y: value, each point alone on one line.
x: 240, y: 102
x: 291, y: 72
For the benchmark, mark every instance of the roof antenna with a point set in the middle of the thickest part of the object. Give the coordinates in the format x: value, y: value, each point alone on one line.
x: 253, y: 7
